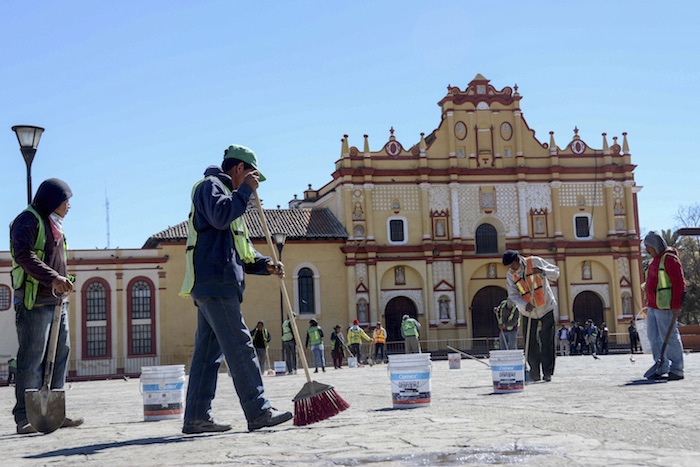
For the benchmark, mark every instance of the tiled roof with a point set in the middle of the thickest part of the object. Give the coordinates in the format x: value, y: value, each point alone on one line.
x: 296, y: 223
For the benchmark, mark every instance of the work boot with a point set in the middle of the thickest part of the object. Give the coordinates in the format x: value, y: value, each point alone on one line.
x: 204, y: 426
x: 268, y: 418
x: 25, y: 428
x: 674, y: 377
x: 72, y: 422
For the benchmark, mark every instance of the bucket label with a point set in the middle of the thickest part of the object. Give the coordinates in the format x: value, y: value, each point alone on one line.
x: 410, y: 389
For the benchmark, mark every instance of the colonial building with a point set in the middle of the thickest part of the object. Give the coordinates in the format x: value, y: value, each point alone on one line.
x: 416, y: 228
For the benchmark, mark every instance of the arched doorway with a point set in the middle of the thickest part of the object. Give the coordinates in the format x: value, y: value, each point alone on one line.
x: 484, y: 322
x: 588, y: 305
x: 395, y: 309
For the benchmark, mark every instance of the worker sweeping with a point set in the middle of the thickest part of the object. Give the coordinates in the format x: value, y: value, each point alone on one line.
x: 527, y: 280
x: 219, y: 253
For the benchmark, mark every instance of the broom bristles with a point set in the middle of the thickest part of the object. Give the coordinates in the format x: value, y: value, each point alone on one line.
x: 318, y: 407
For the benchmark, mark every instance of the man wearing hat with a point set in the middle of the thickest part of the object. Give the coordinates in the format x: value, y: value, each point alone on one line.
x: 410, y: 331
x: 218, y: 255
x: 527, y: 280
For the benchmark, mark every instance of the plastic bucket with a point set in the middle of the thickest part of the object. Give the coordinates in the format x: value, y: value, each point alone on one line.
x: 352, y: 362
x: 507, y: 370
x: 455, y: 361
x: 643, y: 336
x: 410, y: 380
x: 163, y: 389
x: 280, y: 368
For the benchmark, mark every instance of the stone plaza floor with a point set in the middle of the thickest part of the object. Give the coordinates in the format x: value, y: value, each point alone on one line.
x: 594, y: 412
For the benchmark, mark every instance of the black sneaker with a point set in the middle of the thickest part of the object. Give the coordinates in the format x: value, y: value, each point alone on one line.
x: 548, y: 378
x: 655, y: 377
x: 25, y: 428
x: 675, y: 377
x: 270, y: 417
x: 204, y: 426
x: 72, y: 422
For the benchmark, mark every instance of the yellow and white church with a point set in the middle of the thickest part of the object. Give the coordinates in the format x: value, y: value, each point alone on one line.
x: 415, y: 228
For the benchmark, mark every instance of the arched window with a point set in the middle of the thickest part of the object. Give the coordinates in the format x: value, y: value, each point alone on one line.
x: 96, y: 342
x: 141, y: 302
x: 307, y: 303
x: 5, y: 296
x: 486, y: 239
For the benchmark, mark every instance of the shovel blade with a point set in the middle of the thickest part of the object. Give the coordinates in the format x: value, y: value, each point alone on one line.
x: 655, y: 370
x: 46, y: 409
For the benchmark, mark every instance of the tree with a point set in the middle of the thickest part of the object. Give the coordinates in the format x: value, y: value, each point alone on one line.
x: 689, y: 255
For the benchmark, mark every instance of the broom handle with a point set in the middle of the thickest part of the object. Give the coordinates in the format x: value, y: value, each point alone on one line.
x: 290, y: 312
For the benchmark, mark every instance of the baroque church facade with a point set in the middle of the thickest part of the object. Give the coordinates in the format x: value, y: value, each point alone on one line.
x: 417, y: 229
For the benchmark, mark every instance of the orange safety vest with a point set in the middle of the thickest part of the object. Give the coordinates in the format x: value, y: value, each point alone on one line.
x: 531, y: 285
x: 380, y: 336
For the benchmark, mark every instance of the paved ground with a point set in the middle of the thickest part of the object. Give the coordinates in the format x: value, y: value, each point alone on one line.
x: 594, y: 412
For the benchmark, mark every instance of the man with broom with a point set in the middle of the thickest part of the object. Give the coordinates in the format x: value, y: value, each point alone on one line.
x: 527, y: 280
x: 219, y: 253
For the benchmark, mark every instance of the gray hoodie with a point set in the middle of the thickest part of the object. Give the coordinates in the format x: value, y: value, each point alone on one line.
x: 656, y: 241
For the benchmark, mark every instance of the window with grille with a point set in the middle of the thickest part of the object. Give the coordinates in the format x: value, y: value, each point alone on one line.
x: 5, y: 297
x: 96, y: 320
x: 397, y: 230
x: 141, y: 314
x: 486, y: 239
x: 582, y: 227
x: 306, y: 292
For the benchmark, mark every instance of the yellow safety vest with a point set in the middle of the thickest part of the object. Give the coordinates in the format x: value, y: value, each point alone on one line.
x: 380, y: 336
x: 409, y: 328
x: 664, y: 290
x: 19, y: 275
x: 241, y: 241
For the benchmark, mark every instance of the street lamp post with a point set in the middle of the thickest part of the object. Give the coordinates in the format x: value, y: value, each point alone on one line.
x: 279, y: 238
x: 28, y: 137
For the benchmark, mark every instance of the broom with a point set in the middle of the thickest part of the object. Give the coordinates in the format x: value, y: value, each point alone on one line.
x: 315, y: 401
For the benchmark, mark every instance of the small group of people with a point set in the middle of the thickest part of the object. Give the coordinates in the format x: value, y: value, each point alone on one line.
x: 339, y: 345
x: 588, y: 339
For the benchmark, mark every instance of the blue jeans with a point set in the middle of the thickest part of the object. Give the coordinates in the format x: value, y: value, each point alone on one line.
x: 658, y: 322
x: 33, y: 328
x: 317, y: 352
x: 221, y: 332
x: 508, y: 340
x: 379, y: 348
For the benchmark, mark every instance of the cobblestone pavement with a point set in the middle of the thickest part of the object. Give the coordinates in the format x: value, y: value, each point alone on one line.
x: 594, y: 412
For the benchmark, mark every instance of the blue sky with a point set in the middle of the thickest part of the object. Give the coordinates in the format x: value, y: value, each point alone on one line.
x: 138, y: 97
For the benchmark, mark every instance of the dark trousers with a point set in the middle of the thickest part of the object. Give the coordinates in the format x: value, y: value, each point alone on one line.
x: 541, y: 352
x: 337, y: 358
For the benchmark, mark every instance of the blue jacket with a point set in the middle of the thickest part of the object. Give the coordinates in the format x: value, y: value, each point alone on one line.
x: 218, y: 271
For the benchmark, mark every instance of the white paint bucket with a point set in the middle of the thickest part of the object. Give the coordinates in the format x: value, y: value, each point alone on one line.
x: 163, y: 389
x: 455, y: 361
x: 643, y: 336
x: 410, y: 380
x: 507, y: 370
x: 352, y: 362
x: 280, y: 368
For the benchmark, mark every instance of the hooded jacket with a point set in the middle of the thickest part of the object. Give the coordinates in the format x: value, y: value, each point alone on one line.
x: 23, y: 234
x: 218, y: 270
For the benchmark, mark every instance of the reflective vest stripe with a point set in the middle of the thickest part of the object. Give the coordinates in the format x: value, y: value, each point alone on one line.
x: 531, y: 286
x: 287, y: 334
x: 241, y: 242
x: 510, y: 319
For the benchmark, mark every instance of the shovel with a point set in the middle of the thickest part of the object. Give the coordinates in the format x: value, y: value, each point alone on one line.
x: 46, y: 407
x: 656, y: 368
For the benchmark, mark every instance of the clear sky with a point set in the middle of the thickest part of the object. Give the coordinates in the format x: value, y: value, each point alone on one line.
x: 138, y: 97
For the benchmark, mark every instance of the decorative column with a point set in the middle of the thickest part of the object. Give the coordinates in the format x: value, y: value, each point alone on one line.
x: 629, y: 207
x: 454, y: 210
x: 556, y: 207
x: 563, y: 289
x: 425, y: 208
x: 369, y: 211
x: 460, y: 293
x: 610, y: 205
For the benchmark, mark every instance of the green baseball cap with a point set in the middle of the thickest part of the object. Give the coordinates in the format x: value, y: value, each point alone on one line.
x: 243, y: 154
